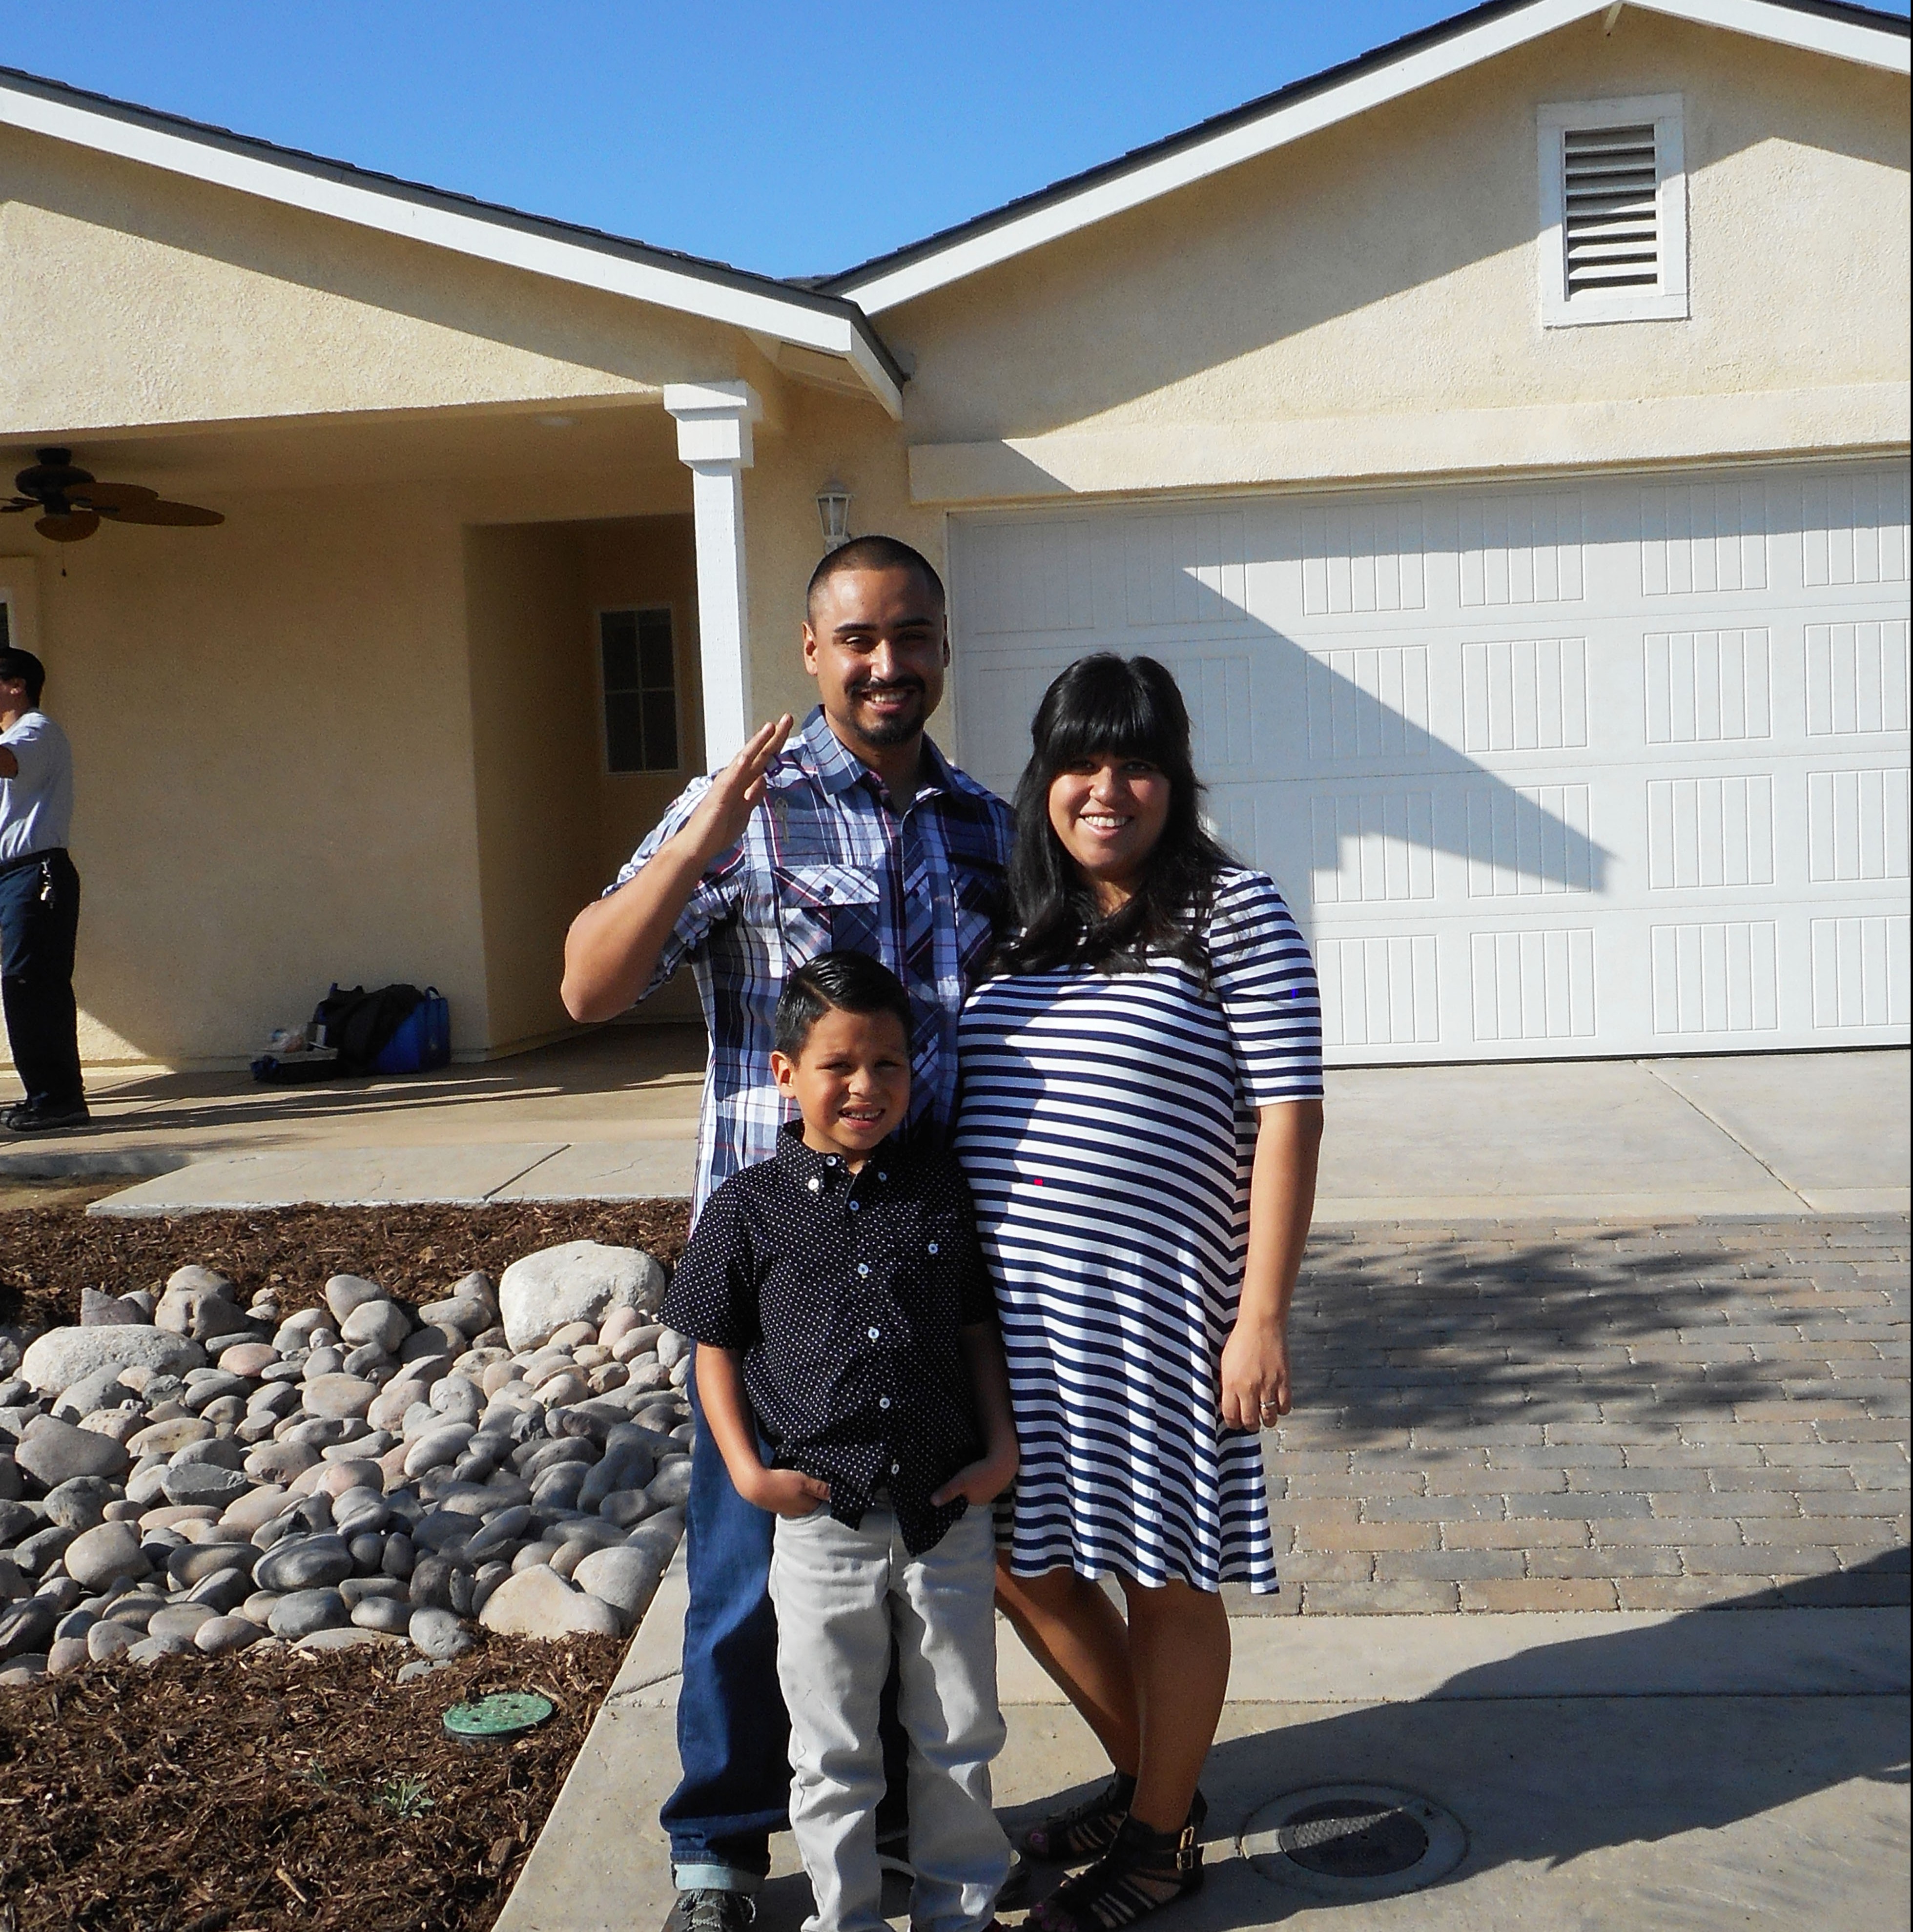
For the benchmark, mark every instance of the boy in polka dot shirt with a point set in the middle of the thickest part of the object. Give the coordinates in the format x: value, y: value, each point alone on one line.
x: 852, y: 1375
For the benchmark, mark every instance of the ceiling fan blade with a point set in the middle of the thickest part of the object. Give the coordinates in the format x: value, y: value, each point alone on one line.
x: 159, y: 510
x: 71, y: 528
x: 111, y: 496
x: 16, y: 505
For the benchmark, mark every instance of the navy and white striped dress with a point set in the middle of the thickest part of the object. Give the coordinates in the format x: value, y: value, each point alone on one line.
x: 1106, y: 1123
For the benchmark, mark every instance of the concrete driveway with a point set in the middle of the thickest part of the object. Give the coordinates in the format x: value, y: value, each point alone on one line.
x: 612, y: 1114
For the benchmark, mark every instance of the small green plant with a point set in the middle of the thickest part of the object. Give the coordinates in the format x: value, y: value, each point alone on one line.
x: 403, y: 1797
x: 315, y: 1773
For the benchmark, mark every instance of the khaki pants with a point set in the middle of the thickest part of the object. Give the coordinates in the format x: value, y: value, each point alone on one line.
x: 842, y: 1595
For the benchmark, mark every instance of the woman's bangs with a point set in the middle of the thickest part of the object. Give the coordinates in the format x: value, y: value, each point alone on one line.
x: 1115, y: 713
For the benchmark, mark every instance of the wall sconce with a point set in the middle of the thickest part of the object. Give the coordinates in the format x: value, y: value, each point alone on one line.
x: 833, y: 514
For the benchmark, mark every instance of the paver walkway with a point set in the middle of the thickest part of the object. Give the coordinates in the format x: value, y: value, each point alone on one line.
x: 1543, y: 1417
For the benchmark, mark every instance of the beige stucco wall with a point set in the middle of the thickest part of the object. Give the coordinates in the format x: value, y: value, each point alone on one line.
x: 128, y: 295
x: 272, y: 752
x: 1364, y: 302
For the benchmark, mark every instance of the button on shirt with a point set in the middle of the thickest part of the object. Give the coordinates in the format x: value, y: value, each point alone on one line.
x: 36, y: 808
x: 829, y: 861
x: 844, y: 1293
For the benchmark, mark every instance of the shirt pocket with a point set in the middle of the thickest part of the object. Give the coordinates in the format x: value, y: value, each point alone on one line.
x: 819, y: 908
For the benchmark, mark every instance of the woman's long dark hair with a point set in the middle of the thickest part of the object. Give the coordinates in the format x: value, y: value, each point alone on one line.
x: 1130, y: 707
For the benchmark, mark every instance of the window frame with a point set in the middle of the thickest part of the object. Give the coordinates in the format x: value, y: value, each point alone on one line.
x: 1667, y: 301
x: 650, y: 609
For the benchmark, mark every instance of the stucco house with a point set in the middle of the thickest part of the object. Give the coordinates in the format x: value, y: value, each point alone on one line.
x: 1504, y: 436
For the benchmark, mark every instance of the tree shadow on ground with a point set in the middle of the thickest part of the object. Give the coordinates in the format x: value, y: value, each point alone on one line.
x: 1460, y: 1332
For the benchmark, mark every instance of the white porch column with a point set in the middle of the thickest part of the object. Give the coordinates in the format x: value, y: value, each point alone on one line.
x: 714, y: 422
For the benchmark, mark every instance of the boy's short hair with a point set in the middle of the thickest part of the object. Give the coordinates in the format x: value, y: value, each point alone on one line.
x: 16, y: 663
x: 842, y: 982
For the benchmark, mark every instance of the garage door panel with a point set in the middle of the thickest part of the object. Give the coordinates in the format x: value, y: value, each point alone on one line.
x: 1589, y: 767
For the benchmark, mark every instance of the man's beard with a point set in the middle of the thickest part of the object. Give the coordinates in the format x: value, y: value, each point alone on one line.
x: 897, y: 729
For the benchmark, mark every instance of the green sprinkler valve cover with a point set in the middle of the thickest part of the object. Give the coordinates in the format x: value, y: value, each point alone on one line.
x: 504, y: 1714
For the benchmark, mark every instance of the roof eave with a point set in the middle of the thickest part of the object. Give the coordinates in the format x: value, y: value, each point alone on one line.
x: 829, y: 323
x: 1319, y: 101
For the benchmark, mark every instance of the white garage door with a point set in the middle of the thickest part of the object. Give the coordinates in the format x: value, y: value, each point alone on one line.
x: 1581, y: 767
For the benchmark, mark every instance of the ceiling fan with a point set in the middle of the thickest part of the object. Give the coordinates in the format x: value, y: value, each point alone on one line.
x: 71, y: 501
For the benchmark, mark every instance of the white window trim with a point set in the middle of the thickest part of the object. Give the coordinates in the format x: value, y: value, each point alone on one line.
x: 20, y: 591
x: 597, y: 616
x: 1668, y: 301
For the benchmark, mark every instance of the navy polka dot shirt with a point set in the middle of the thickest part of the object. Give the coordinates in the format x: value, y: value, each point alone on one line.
x: 844, y: 1293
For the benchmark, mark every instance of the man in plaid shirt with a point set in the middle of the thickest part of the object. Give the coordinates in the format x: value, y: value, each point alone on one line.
x: 858, y: 835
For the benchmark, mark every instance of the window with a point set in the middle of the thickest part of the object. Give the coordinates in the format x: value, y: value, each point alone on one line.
x: 639, y: 670
x: 1614, y: 211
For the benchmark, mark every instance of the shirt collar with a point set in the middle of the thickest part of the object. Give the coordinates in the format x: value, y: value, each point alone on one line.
x: 838, y: 768
x: 818, y: 1173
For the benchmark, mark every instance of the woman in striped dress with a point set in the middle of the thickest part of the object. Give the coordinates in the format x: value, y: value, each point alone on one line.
x: 1139, y: 1117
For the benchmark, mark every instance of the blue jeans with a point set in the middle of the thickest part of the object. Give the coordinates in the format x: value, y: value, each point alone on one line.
x: 39, y: 917
x: 733, y: 1734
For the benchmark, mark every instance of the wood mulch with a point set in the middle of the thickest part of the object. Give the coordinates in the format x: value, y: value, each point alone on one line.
x: 284, y: 1793
x: 49, y: 1254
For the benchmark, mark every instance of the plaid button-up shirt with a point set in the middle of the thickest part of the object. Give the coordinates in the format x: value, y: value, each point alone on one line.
x: 829, y: 863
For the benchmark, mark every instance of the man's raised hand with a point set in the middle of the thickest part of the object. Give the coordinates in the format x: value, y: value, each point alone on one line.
x: 724, y: 811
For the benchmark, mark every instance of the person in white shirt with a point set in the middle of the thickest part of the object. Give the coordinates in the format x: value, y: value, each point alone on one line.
x: 39, y: 903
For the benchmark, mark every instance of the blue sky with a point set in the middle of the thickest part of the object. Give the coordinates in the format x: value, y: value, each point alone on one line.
x: 792, y: 137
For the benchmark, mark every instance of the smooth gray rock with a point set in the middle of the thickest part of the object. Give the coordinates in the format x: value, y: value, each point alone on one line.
x: 336, y: 1397
x: 34, y: 1553
x: 200, y: 1395
x: 387, y: 1614
x: 345, y: 1292
x: 203, y: 1483
x: 168, y: 1438
x: 218, y: 1636
x: 192, y: 1563
x: 79, y: 1502
x: 105, y: 1554
x: 110, y: 1638
x: 468, y: 1316
x: 222, y: 1452
x: 99, y: 1309
x: 60, y: 1358
x: 443, y: 1446
x: 536, y: 1603
x: 18, y: 1519
x: 301, y: 1613
x: 53, y: 1453
x: 355, y: 1589
x: 625, y: 1578
x: 312, y: 1562
x: 27, y: 1626
x: 180, y: 1618
x: 151, y: 1649
x: 223, y: 1591
x: 103, y: 1389
x: 382, y: 1323
x: 438, y: 1633
x: 576, y: 1281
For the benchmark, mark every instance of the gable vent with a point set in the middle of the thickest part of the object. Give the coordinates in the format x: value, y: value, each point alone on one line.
x: 1611, y: 214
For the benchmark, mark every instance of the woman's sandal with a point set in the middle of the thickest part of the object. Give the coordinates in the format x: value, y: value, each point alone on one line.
x: 1140, y: 1873
x: 1085, y: 1831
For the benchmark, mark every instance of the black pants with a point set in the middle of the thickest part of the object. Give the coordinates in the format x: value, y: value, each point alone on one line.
x: 39, y: 918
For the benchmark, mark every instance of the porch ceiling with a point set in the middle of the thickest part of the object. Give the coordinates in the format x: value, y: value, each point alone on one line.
x: 566, y: 460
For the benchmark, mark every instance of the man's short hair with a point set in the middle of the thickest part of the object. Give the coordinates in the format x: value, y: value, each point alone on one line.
x: 873, y: 552
x: 842, y: 982
x: 15, y: 663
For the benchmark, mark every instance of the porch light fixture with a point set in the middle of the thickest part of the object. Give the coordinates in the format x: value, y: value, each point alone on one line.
x: 833, y: 513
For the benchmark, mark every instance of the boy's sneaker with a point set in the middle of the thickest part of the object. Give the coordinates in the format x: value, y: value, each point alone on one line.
x: 24, y: 1119
x: 712, y: 1911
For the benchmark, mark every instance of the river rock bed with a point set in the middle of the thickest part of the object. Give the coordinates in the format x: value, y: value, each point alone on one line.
x: 182, y: 1474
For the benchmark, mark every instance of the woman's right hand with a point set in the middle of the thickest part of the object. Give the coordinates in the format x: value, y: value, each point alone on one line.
x: 725, y: 809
